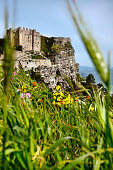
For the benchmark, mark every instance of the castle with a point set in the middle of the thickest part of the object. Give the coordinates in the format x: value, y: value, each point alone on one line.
x: 51, y: 57
x: 27, y: 38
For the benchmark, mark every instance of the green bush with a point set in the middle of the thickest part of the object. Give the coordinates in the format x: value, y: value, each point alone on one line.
x: 37, y: 57
x: 1, y: 46
x: 46, y: 44
x: 19, y: 48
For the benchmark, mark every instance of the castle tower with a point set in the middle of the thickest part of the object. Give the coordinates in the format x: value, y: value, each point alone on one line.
x: 11, y: 37
x: 36, y: 41
x: 27, y: 38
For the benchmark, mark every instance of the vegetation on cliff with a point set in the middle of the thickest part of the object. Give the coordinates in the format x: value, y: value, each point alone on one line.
x: 46, y: 44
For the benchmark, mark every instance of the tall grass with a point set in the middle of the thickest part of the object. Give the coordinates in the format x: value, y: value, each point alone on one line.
x: 35, y: 134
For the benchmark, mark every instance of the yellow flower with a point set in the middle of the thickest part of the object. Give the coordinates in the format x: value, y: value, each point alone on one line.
x: 56, y: 94
x: 92, y: 108
x: 34, y: 87
x: 54, y: 97
x: 24, y: 90
x: 61, y: 94
x: 53, y: 103
x: 71, y: 100
x: 59, y: 99
x: 59, y: 104
x: 58, y: 87
x: 23, y: 86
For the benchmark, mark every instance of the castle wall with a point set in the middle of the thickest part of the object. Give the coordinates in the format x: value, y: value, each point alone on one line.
x: 32, y: 63
x: 11, y: 37
x: 36, y: 41
x: 25, y: 38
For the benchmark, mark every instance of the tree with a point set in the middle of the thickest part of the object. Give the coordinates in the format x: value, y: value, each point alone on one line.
x: 90, y: 79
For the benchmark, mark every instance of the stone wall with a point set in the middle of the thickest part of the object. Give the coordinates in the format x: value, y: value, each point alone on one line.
x: 25, y: 38
x: 29, y: 64
x: 36, y: 44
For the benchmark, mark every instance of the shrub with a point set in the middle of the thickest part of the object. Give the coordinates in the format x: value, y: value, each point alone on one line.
x: 37, y: 57
x: 46, y: 44
x: 19, y: 48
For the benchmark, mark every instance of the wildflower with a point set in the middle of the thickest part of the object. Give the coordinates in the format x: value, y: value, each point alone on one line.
x: 12, y: 78
x: 23, y: 86
x: 54, y: 97
x: 76, y: 99
x: 53, y: 103
x: 59, y: 99
x: 23, y: 95
x: 88, y: 97
x: 59, y: 104
x: 28, y: 95
x: 24, y: 90
x: 56, y: 94
x: 61, y: 94
x: 35, y: 87
x: 71, y: 100
x: 41, y: 100
x: 14, y: 73
x: 34, y: 84
x: 58, y: 87
x: 92, y: 108
x: 63, y: 102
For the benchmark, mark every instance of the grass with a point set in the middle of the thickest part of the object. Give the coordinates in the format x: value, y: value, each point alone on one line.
x: 41, y: 135
x: 37, y: 134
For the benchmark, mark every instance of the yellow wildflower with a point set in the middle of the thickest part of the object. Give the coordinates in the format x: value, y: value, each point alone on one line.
x: 58, y: 87
x: 54, y: 97
x: 61, y: 94
x: 92, y: 108
x: 35, y: 87
x: 23, y: 86
x: 24, y: 90
x: 56, y: 94
x: 59, y: 99
x: 59, y: 104
x: 53, y: 103
x: 71, y: 100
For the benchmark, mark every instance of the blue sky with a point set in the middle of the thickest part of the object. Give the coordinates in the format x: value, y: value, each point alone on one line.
x: 51, y: 18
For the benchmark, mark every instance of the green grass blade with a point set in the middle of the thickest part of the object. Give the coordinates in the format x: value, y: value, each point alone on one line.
x: 56, y: 144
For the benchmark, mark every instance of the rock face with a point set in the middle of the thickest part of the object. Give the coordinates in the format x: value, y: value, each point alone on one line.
x: 51, y: 57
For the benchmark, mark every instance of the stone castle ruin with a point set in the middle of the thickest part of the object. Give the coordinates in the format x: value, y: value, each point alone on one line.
x: 50, y: 57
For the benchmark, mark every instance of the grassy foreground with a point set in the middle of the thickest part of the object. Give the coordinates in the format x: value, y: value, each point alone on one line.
x: 41, y: 135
